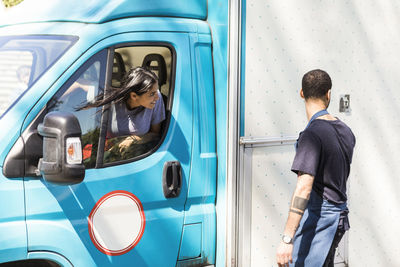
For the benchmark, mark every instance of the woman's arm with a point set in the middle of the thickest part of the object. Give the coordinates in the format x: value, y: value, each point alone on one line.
x: 153, y: 133
x: 155, y: 128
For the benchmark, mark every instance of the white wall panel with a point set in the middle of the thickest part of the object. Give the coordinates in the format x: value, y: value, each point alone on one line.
x: 358, y: 44
x: 272, y: 186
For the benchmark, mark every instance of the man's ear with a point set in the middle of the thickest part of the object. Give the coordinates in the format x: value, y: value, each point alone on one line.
x: 328, y: 95
x: 301, y: 93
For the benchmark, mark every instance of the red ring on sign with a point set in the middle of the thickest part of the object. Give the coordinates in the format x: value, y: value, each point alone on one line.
x: 97, y: 206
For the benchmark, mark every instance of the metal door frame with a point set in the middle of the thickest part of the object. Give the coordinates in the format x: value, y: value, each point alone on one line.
x: 245, y: 189
x: 244, y: 198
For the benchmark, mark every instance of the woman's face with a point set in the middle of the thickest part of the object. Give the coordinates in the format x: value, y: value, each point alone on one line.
x: 149, y: 99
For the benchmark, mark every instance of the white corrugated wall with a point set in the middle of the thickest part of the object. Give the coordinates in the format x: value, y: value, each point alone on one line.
x: 358, y: 44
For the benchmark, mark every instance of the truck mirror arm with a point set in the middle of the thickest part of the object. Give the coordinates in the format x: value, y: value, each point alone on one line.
x: 22, y: 160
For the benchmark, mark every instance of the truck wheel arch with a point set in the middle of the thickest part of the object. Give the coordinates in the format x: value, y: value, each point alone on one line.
x: 31, y: 263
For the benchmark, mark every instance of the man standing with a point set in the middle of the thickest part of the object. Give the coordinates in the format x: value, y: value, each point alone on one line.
x: 317, y: 217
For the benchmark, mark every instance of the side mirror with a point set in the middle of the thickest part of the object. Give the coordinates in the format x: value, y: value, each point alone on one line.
x: 62, y: 150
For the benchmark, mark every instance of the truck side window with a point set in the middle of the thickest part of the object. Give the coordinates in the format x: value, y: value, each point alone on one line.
x: 82, y: 87
x: 15, y: 75
x: 158, y: 59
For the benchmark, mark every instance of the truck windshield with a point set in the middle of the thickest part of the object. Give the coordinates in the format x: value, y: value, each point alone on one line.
x: 23, y: 59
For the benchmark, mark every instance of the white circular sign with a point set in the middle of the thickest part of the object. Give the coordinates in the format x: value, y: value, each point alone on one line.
x: 116, y: 223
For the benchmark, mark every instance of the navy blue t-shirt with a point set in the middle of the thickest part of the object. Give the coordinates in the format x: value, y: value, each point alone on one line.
x: 325, y: 151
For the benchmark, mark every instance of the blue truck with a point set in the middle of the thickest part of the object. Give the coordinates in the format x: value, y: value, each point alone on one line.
x: 66, y: 200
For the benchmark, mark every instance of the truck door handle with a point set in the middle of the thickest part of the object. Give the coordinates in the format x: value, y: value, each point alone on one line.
x: 172, y: 179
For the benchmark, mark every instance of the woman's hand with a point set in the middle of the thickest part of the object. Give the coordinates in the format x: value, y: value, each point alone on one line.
x: 136, y: 139
x: 127, y: 142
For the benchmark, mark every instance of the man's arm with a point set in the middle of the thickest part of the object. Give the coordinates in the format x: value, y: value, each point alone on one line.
x: 298, y: 205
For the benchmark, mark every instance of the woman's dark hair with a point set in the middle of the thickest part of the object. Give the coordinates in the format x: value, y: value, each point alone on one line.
x: 316, y: 84
x: 138, y: 80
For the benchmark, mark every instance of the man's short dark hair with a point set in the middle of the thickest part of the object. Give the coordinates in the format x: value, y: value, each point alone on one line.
x: 316, y: 84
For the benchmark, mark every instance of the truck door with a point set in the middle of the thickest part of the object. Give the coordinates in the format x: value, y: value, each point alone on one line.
x: 129, y: 210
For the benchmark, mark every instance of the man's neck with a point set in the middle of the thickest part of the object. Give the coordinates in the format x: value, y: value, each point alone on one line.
x: 313, y: 106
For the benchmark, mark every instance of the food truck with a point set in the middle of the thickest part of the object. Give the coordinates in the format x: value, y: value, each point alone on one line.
x: 214, y: 190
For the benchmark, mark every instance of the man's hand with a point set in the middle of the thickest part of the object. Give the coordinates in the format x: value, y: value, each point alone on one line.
x: 284, y: 254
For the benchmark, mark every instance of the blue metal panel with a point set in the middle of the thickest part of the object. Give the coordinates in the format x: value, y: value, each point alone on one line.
x: 85, y: 31
x: 218, y: 19
x: 191, y: 241
x: 200, y: 205
x: 100, y: 11
x: 13, y: 245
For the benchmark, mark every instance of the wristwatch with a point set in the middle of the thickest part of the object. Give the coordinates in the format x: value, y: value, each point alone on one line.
x: 287, y: 239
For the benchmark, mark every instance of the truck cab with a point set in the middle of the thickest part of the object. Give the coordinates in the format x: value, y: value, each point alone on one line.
x: 154, y: 206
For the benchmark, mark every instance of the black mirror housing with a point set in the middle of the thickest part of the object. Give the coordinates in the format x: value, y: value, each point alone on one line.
x: 61, y: 138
